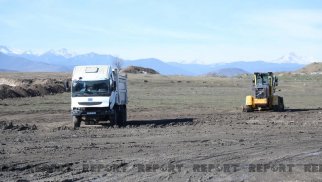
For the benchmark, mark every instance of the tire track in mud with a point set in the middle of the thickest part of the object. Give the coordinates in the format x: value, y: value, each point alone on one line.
x: 213, y: 138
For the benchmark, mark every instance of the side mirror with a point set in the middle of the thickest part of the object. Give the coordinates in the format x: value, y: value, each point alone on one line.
x: 114, y: 85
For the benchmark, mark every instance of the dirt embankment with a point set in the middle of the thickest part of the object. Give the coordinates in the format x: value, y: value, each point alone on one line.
x: 313, y: 68
x: 139, y: 70
x: 11, y: 88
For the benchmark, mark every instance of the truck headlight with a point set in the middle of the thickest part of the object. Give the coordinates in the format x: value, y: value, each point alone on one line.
x: 77, y: 110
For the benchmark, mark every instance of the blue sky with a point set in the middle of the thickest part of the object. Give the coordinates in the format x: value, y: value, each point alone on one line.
x: 206, y: 31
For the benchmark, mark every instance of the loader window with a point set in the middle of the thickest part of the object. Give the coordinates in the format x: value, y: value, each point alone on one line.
x: 262, y: 80
x: 91, y: 88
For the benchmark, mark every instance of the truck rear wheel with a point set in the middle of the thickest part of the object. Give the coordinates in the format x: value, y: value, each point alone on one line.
x: 76, y: 121
x: 112, y: 120
x: 120, y: 116
x: 124, y: 115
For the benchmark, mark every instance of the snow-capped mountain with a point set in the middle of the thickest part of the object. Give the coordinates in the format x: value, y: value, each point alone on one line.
x: 293, y: 58
x: 63, y: 59
x: 6, y: 50
x: 30, y: 52
x: 10, y: 62
x: 60, y: 52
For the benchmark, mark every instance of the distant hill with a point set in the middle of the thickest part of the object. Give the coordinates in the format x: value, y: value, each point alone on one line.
x: 194, y: 69
x: 139, y: 70
x: 63, y: 60
x: 248, y: 66
x: 312, y: 68
x: 25, y: 65
x: 51, y: 57
x: 228, y: 72
x: 5, y: 70
x: 158, y: 65
x: 261, y: 66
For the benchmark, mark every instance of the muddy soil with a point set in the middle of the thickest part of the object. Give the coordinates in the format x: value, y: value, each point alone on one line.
x: 170, y: 147
x: 178, y: 129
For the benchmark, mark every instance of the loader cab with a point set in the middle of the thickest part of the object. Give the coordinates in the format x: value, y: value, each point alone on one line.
x: 262, y: 79
x: 262, y: 85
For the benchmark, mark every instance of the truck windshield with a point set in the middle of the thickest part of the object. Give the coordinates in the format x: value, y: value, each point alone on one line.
x: 91, y: 88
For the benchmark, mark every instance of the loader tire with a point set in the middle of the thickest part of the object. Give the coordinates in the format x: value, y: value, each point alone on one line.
x: 76, y: 121
x: 280, y: 104
x: 248, y: 109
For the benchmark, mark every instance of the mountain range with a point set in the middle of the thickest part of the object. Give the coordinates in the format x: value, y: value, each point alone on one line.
x: 63, y: 61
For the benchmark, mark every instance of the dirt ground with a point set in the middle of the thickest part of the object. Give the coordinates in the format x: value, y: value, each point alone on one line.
x: 179, y: 129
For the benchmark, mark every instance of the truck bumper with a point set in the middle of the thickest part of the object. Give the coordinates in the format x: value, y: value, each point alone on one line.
x: 92, y: 111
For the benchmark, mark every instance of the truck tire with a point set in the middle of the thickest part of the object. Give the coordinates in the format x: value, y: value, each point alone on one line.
x: 125, y: 115
x: 115, y: 118
x: 112, y: 120
x: 76, y: 121
x: 121, y: 117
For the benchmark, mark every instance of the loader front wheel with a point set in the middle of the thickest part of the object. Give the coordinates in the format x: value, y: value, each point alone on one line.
x: 248, y: 109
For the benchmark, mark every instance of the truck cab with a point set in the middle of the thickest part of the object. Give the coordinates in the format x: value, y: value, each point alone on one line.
x: 98, y: 93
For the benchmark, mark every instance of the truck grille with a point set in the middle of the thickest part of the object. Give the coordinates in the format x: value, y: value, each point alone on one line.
x: 89, y: 103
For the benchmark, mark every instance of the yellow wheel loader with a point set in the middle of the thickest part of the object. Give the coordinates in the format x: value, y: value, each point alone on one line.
x: 264, y: 98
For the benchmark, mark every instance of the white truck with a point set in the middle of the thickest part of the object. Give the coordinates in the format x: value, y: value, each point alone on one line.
x: 99, y: 93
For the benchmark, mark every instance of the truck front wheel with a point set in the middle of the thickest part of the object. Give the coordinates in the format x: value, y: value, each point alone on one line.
x: 77, y: 122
